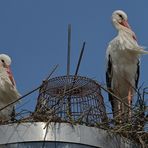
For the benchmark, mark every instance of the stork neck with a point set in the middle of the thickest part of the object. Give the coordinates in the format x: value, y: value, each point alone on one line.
x: 126, y: 32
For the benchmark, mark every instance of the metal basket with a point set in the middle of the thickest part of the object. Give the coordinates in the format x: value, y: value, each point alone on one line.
x: 74, y: 99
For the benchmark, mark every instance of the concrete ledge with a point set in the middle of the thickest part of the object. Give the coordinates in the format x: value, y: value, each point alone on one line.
x: 62, y: 132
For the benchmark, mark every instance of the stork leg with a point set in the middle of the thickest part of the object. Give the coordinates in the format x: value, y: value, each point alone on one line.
x: 129, y: 102
x: 117, y: 105
x: 126, y: 110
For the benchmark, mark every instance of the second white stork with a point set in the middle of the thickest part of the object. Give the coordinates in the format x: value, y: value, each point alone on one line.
x: 8, y: 91
x: 122, y: 73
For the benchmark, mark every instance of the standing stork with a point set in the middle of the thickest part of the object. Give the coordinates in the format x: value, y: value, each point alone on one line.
x: 122, y: 73
x: 8, y: 91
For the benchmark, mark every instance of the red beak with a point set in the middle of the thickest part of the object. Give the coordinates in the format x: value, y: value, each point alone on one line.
x: 10, y: 75
x: 125, y: 24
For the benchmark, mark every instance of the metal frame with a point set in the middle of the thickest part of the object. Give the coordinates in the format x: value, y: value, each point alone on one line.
x: 73, y: 99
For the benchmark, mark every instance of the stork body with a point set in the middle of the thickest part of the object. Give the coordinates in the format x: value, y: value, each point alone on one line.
x: 122, y: 66
x: 8, y: 91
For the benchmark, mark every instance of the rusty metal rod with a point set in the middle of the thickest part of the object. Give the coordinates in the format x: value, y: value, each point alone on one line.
x: 76, y: 72
x: 80, y: 58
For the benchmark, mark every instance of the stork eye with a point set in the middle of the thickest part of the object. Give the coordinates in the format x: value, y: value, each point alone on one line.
x: 120, y: 16
x: 3, y: 61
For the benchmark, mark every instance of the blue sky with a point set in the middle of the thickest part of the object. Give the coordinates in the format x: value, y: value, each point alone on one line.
x: 34, y: 34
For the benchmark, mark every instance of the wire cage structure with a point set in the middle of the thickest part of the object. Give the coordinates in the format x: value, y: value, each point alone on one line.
x: 73, y: 99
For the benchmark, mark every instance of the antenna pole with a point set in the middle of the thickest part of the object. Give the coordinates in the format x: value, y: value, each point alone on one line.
x: 68, y: 53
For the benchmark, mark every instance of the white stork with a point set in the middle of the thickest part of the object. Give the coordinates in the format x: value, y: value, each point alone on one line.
x: 122, y: 73
x: 8, y: 91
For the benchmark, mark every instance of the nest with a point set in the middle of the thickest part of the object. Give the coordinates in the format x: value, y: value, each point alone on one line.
x: 78, y: 100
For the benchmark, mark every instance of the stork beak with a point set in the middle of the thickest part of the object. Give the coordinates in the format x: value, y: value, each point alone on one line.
x: 10, y: 74
x: 8, y: 69
x: 125, y: 24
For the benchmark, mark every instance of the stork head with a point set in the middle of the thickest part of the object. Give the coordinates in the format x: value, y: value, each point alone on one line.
x: 120, y: 22
x: 120, y: 19
x: 5, y: 60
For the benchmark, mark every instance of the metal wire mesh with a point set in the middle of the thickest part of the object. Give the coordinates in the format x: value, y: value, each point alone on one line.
x: 73, y: 99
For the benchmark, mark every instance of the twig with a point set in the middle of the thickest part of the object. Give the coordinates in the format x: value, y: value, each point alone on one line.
x: 30, y: 91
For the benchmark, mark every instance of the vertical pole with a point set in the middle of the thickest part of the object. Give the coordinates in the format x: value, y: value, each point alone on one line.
x: 69, y: 114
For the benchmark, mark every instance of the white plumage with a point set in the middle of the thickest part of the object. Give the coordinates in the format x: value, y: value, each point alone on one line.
x: 8, y: 91
x: 122, y: 65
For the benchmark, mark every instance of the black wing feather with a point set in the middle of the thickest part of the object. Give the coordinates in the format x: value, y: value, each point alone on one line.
x: 109, y: 79
x: 137, y: 74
